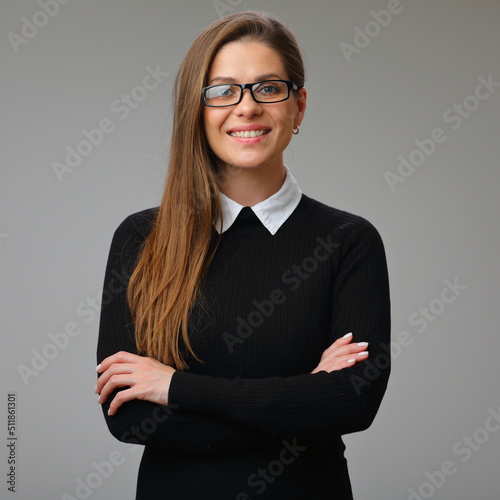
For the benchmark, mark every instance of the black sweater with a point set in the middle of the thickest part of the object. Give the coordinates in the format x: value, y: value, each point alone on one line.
x: 250, y: 421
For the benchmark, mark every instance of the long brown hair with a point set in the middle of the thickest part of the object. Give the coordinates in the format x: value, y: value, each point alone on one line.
x: 166, y: 281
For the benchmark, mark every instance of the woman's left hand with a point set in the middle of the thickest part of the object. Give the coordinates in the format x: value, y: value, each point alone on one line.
x: 146, y: 379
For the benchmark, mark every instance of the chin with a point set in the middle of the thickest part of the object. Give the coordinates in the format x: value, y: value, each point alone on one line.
x: 245, y: 163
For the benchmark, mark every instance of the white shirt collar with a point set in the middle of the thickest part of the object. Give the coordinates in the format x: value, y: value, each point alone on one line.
x: 272, y: 212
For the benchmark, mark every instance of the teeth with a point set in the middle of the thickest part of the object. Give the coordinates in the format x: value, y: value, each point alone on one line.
x: 248, y: 133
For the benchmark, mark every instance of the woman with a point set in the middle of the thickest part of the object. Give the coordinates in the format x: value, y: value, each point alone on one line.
x: 230, y: 354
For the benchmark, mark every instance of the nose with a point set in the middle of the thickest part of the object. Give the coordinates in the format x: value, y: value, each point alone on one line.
x: 247, y: 106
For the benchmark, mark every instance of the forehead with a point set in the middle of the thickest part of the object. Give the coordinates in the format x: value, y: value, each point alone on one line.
x: 246, y: 60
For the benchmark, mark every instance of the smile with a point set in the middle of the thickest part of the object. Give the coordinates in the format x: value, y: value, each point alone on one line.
x: 243, y: 134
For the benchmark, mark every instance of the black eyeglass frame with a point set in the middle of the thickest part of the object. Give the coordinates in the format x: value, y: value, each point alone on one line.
x: 289, y: 84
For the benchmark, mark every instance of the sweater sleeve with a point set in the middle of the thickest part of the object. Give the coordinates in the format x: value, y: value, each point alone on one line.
x: 142, y: 422
x: 323, y: 405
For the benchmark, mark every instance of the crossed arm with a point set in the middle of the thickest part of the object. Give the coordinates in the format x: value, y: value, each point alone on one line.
x: 149, y: 380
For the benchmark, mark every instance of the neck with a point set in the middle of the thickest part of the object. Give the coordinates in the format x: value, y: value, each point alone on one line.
x: 249, y: 186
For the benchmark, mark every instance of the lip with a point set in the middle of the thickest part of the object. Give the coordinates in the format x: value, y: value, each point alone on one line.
x: 249, y: 140
x: 244, y: 128
x: 248, y: 128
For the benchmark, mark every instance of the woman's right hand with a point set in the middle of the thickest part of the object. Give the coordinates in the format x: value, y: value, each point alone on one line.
x: 342, y: 354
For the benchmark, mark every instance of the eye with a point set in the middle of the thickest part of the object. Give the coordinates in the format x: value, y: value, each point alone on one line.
x: 269, y: 89
x: 220, y: 91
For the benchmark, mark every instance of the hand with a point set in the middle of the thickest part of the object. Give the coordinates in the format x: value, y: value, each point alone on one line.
x: 146, y: 379
x: 342, y: 354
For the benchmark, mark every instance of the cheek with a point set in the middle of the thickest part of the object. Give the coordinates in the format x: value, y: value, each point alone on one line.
x: 213, y: 123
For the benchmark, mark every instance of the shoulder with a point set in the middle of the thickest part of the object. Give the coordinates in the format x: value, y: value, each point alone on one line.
x: 133, y: 231
x: 357, y: 240
x: 138, y: 224
x: 347, y: 224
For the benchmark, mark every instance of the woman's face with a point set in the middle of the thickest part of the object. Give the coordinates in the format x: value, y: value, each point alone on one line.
x: 249, y: 62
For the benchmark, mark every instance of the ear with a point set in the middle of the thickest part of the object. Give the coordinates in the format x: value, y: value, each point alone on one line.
x: 301, y: 106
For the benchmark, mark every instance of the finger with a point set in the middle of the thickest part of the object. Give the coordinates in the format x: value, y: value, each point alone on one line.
x: 119, y: 357
x: 346, y: 339
x: 119, y: 399
x: 352, y: 360
x: 115, y: 382
x: 344, y: 350
x: 361, y: 356
x: 341, y: 341
x: 352, y: 349
x: 115, y: 369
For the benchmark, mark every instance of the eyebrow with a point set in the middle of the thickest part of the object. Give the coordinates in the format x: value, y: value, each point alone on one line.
x: 260, y: 78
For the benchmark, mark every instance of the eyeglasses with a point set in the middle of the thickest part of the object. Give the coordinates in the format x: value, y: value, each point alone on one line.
x: 230, y: 94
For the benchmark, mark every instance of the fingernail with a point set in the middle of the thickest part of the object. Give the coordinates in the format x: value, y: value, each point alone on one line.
x: 95, y: 390
x: 347, y: 335
x: 362, y: 344
x: 98, y: 367
x: 364, y: 353
x: 351, y: 361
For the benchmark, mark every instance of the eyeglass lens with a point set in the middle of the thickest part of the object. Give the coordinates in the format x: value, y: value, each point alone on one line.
x: 227, y: 94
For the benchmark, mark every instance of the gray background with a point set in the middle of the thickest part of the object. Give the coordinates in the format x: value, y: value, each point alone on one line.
x: 439, y: 224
